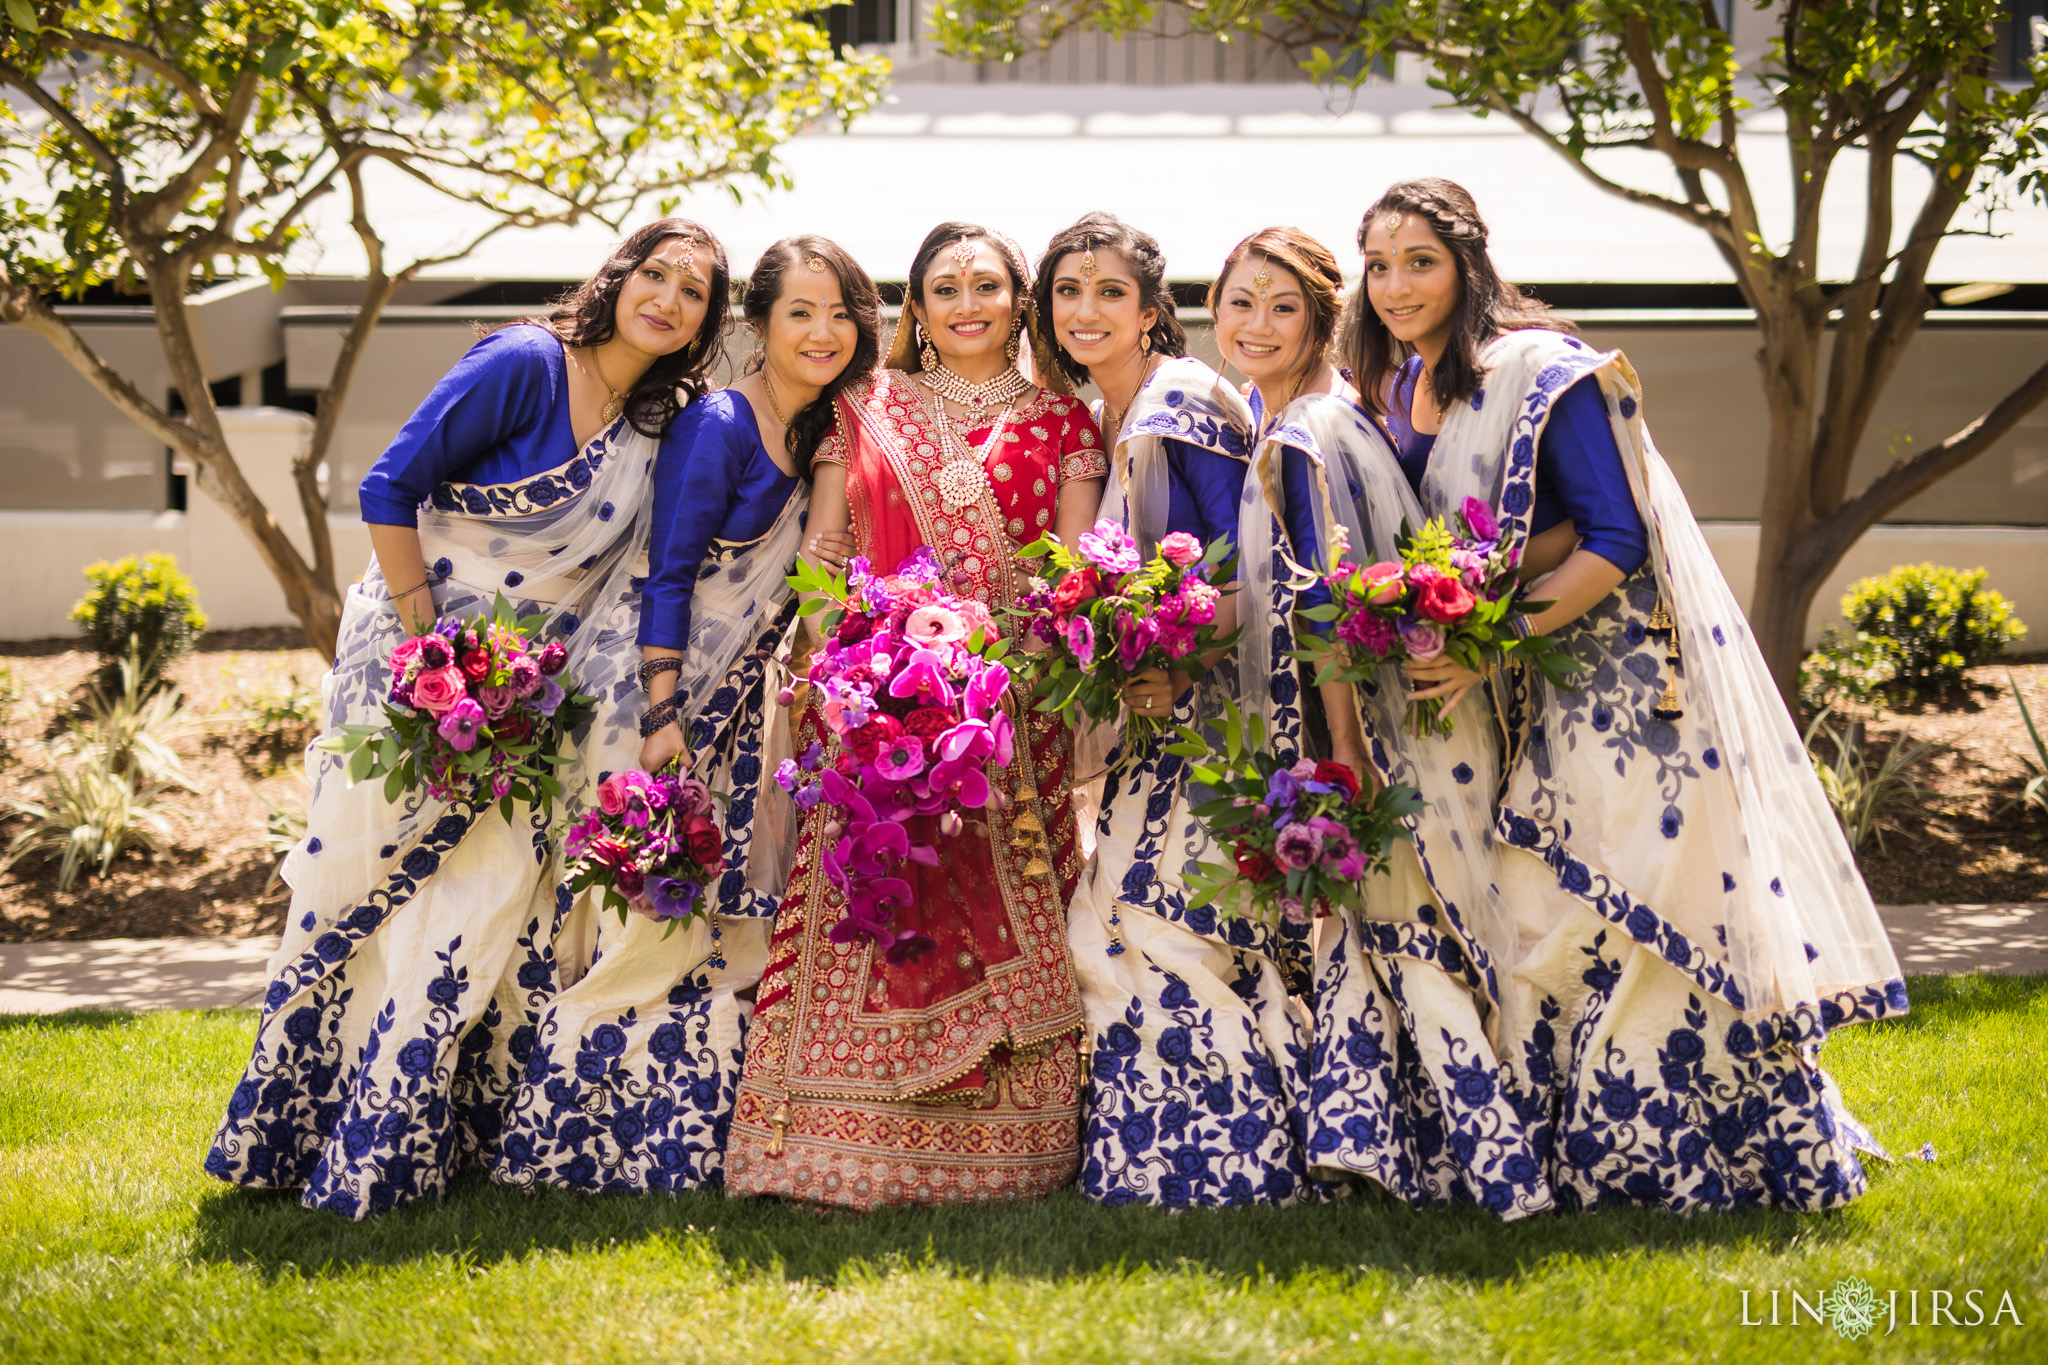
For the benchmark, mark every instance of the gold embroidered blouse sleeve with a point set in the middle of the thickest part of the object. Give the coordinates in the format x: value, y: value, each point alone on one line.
x: 1081, y: 453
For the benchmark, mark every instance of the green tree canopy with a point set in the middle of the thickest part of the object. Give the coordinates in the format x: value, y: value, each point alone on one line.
x: 158, y: 146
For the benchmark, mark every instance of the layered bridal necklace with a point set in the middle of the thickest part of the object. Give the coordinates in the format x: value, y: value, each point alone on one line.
x: 962, y: 477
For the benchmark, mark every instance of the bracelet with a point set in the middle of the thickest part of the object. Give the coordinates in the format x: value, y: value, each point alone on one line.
x: 401, y: 596
x: 651, y: 668
x: 1520, y: 626
x: 658, y: 717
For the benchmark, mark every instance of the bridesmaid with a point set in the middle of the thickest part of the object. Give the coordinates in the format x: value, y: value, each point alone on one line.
x: 1684, y: 922
x: 630, y: 1076
x: 420, y: 939
x: 1197, y: 1046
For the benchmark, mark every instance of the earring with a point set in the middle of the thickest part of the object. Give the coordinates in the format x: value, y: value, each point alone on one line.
x: 927, y: 356
x: 1145, y: 344
x: 1011, y: 347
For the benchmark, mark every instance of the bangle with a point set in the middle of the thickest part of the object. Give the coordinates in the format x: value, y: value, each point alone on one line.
x: 401, y: 596
x: 651, y: 668
x: 1520, y: 626
x: 658, y: 717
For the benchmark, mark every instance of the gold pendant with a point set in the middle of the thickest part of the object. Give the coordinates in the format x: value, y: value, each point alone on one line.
x: 609, y: 413
x: 961, y: 483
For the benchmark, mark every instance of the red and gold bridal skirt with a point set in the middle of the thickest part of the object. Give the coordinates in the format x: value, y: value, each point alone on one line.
x: 949, y: 1080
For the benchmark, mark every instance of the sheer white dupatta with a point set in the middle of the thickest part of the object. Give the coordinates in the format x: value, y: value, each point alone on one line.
x: 1720, y: 798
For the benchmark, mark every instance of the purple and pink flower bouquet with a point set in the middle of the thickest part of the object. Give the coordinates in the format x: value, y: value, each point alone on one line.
x: 1450, y: 595
x: 1302, y: 836
x: 476, y: 711
x: 650, y: 843
x: 1106, y: 616
x: 910, y: 681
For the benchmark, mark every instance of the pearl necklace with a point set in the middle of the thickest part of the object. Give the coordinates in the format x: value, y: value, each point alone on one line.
x: 977, y: 398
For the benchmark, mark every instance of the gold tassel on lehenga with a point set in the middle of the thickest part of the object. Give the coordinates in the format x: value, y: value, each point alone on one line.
x: 1662, y: 627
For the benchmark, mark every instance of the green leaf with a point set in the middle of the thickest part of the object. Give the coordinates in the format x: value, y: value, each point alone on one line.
x: 23, y: 15
x: 279, y: 55
x: 359, y: 765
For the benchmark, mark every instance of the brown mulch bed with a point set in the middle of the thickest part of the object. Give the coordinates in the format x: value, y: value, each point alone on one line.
x: 212, y: 879
x: 1952, y: 844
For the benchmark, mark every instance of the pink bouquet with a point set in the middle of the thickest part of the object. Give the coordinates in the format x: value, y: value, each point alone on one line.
x: 911, y: 680
x: 1448, y: 596
x: 1106, y: 617
x: 650, y: 843
x: 475, y: 711
x: 1300, y: 836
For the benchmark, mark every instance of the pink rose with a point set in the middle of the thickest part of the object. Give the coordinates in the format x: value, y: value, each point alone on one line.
x: 1479, y: 519
x: 438, y: 689
x: 1381, y: 582
x: 611, y: 794
x: 495, y: 700
x: 404, y: 652
x: 1180, y: 549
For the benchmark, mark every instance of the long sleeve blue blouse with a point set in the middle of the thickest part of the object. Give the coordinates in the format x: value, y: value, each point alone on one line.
x: 1203, y: 489
x: 713, y: 481
x: 1298, y: 517
x: 500, y: 416
x: 1579, y: 474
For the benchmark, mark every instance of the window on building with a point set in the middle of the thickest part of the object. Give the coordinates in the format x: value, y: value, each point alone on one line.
x: 2021, y: 36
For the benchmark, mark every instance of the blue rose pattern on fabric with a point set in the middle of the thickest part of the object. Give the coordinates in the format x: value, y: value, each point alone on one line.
x: 537, y: 494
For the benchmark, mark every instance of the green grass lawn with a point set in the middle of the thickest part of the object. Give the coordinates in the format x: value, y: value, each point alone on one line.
x: 115, y: 1246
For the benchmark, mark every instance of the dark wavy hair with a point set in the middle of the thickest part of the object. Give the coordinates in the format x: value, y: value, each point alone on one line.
x: 1107, y: 232
x: 1311, y: 263
x: 1487, y: 304
x: 588, y: 316
x: 813, y: 422
x: 903, y: 346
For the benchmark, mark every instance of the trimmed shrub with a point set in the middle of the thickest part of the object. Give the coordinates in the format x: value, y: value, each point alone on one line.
x: 1934, y: 623
x: 141, y: 599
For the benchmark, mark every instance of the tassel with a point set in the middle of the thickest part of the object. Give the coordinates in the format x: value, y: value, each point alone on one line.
x: 780, y: 1122
x: 1027, y: 820
x: 1667, y: 705
x: 1037, y: 867
x: 1661, y: 625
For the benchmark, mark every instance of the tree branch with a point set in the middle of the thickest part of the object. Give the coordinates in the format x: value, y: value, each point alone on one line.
x: 147, y: 58
x: 117, y: 179
x: 1907, y: 479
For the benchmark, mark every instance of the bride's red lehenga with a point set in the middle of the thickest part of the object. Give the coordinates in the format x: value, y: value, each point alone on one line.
x: 954, y: 1078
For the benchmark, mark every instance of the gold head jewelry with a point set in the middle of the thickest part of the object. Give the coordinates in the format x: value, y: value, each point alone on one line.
x: 689, y: 257
x: 1392, y: 222
x: 1087, y: 264
x: 1262, y: 281
x: 963, y: 252
x: 815, y: 264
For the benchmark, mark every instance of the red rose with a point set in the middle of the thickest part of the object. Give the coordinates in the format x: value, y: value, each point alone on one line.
x: 846, y: 765
x: 705, y: 842
x: 853, y: 628
x: 872, y: 738
x: 1334, y: 774
x: 1253, y: 865
x: 1076, y: 588
x: 928, y: 722
x: 476, y: 663
x: 514, y: 729
x: 1444, y: 599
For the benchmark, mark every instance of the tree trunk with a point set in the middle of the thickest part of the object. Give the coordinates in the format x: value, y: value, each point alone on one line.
x: 1786, y: 580
x: 309, y: 596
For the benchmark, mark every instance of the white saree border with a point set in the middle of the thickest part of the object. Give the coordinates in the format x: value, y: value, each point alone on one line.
x: 1716, y: 848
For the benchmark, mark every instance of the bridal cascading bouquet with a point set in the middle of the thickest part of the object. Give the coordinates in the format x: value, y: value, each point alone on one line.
x: 910, y: 681
x: 476, y: 711
x: 1302, y: 836
x: 650, y: 843
x: 1106, y: 616
x: 1449, y: 595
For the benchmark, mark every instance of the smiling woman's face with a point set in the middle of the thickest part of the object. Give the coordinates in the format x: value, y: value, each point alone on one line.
x: 810, y: 335
x: 1262, y: 325
x: 1095, y: 311
x: 967, y: 309
x: 662, y: 303
x: 1411, y: 280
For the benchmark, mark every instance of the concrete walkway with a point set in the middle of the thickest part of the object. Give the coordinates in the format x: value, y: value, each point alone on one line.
x: 227, y: 973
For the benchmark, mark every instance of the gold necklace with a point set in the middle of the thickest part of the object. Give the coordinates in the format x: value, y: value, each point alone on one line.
x: 979, y: 398
x: 963, y: 479
x: 769, y: 385
x: 613, y: 406
x: 1113, y: 431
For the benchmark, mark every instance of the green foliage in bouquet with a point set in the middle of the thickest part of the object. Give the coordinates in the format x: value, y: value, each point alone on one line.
x: 1302, y: 836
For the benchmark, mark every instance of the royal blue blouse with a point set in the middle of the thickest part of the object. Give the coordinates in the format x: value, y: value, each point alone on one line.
x: 1203, y: 489
x: 501, y: 416
x: 1579, y: 474
x: 713, y: 480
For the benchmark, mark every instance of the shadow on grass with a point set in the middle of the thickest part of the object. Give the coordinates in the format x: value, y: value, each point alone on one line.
x: 1065, y: 1235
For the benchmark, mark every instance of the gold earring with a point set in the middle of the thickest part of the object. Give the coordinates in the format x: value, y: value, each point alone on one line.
x: 1145, y: 343
x: 926, y: 356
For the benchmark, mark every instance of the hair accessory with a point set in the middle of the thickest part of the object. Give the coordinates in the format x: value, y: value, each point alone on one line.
x: 815, y: 264
x: 963, y: 252
x: 1087, y: 264
x: 1262, y: 280
x: 1392, y: 222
